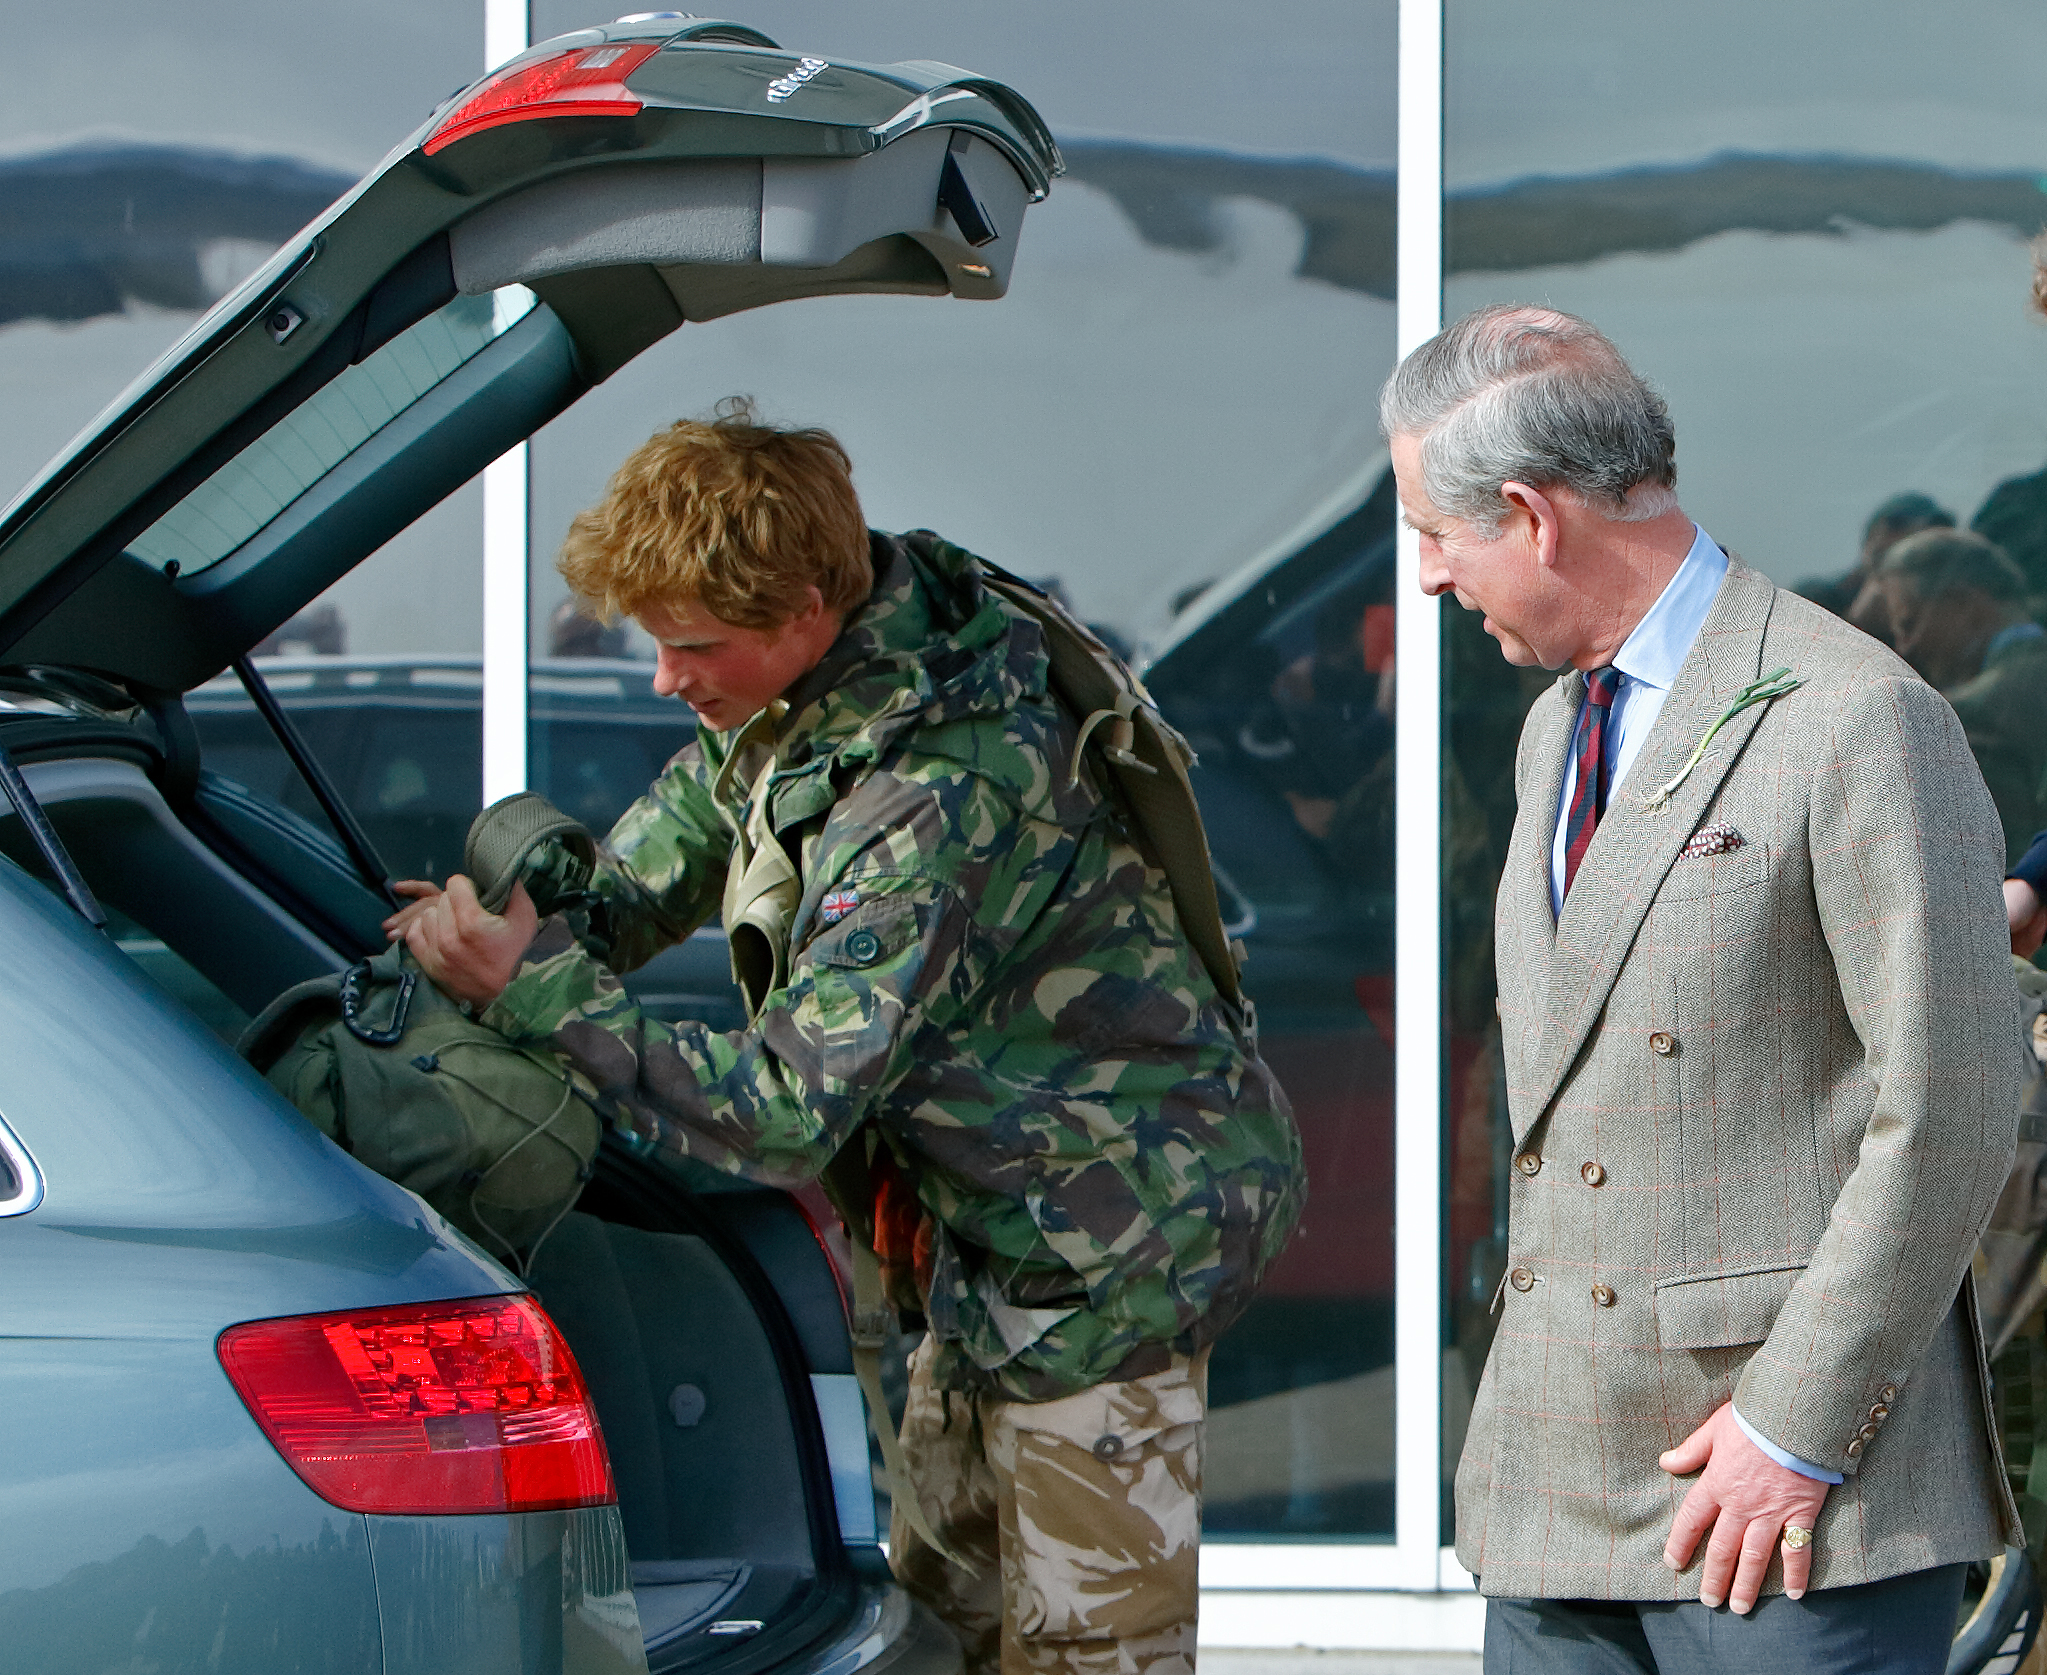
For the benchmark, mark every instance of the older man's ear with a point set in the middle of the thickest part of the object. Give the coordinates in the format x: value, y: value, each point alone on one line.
x: 1540, y: 519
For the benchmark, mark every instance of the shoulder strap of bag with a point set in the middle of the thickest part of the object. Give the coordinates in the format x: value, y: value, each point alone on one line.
x: 850, y: 1184
x: 762, y: 891
x: 1144, y: 757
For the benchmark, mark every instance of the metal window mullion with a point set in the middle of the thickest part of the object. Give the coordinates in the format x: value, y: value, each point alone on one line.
x: 1417, y: 861
x: 504, y: 625
x: 507, y: 32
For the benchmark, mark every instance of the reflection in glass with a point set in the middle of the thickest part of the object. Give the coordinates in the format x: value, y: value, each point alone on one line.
x: 1282, y: 682
x: 399, y: 737
x: 177, y: 977
x: 1958, y: 610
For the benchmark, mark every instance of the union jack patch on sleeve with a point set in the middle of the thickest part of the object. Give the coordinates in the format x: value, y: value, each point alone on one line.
x: 837, y: 904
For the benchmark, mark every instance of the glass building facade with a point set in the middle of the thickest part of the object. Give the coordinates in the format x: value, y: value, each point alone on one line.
x: 1807, y: 229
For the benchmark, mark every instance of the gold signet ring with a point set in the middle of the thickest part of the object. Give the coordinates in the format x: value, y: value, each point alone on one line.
x: 1795, y: 1538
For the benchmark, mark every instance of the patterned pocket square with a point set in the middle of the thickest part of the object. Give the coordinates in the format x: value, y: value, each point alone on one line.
x: 1716, y: 839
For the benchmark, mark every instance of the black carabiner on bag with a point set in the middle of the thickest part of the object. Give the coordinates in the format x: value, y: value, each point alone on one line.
x: 355, y: 993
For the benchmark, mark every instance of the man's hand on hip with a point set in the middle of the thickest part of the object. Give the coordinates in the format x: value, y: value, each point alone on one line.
x: 1747, y: 1500
x: 469, y: 952
x: 2026, y: 914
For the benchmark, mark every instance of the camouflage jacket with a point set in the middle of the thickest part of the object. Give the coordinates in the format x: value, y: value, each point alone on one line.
x: 981, y: 965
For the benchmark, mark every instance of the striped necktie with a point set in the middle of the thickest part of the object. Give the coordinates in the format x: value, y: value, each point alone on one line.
x: 1588, y: 795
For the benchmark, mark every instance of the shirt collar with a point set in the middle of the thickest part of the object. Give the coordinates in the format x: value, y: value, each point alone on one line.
x: 1656, y: 650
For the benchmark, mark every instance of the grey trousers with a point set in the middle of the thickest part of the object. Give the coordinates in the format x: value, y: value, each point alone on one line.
x: 1902, y: 1626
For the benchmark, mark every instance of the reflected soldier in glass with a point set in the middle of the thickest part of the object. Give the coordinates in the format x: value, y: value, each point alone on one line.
x: 1324, y: 735
x: 1957, y: 610
x: 1855, y: 593
x: 574, y: 632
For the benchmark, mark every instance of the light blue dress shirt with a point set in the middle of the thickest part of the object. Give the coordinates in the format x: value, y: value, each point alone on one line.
x: 1791, y: 1462
x: 1648, y: 662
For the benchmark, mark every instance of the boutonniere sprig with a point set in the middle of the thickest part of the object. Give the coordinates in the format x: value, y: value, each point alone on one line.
x: 1773, y: 685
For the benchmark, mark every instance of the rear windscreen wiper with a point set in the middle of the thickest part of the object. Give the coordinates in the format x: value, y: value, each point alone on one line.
x: 353, y: 838
x: 55, y: 855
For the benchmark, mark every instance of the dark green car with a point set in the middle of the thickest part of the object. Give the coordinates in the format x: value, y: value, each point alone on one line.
x: 265, y: 1411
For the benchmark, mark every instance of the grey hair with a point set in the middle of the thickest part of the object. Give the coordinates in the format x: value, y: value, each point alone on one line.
x: 1514, y: 393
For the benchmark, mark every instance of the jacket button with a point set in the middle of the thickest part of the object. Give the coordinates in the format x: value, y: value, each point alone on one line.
x: 1854, y: 1449
x: 1663, y: 1043
x: 1522, y: 1279
x: 1529, y: 1163
x: 1594, y: 1174
x: 1889, y: 1393
x: 864, y: 947
x: 1879, y: 1413
x: 1107, y: 1448
x: 1867, y: 1433
x: 1603, y: 1296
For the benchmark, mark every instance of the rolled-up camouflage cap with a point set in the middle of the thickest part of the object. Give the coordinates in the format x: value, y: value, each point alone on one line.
x: 504, y: 836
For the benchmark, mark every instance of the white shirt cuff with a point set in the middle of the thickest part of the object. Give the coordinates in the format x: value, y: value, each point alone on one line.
x: 1790, y: 1462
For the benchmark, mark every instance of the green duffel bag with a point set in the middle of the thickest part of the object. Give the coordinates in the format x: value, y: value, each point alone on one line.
x: 498, y: 1138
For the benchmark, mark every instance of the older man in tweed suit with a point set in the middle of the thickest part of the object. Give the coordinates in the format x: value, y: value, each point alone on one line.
x: 1758, y: 1024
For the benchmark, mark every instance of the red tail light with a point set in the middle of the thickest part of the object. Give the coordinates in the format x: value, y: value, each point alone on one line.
x: 467, y: 1406
x: 590, y: 81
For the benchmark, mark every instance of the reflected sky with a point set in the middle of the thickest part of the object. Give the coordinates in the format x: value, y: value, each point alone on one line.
x: 1287, y: 76
x: 1135, y: 416
x: 1129, y: 419
x: 1812, y: 378
x: 338, y: 86
x: 1150, y: 405
x: 1578, y: 86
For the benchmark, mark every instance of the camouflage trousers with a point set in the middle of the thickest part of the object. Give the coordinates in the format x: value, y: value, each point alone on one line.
x: 1080, y: 1518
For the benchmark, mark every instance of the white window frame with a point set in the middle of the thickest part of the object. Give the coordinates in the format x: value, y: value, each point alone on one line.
x: 1418, y: 860
x: 507, y: 498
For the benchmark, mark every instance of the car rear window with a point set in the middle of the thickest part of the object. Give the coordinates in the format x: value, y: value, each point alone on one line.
x: 254, y: 487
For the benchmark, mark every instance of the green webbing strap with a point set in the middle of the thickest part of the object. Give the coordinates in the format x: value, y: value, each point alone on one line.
x: 870, y: 1332
x: 1145, y: 759
x: 503, y: 837
x: 762, y: 891
x: 849, y: 1184
x: 760, y: 888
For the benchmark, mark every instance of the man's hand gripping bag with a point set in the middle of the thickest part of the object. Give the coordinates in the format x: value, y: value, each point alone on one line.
x: 497, y: 1138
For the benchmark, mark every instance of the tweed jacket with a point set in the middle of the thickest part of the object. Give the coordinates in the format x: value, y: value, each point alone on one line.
x: 1763, y: 1083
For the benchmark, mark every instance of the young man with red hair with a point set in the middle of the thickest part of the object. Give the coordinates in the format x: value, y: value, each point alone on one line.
x: 961, y: 972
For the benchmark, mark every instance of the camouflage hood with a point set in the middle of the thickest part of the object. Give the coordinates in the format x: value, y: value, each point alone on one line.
x: 933, y: 653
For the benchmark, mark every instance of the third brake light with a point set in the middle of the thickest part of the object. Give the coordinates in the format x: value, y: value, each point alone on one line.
x: 588, y: 81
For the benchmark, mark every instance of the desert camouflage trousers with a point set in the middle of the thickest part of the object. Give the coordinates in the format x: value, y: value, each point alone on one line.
x: 1080, y: 1519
